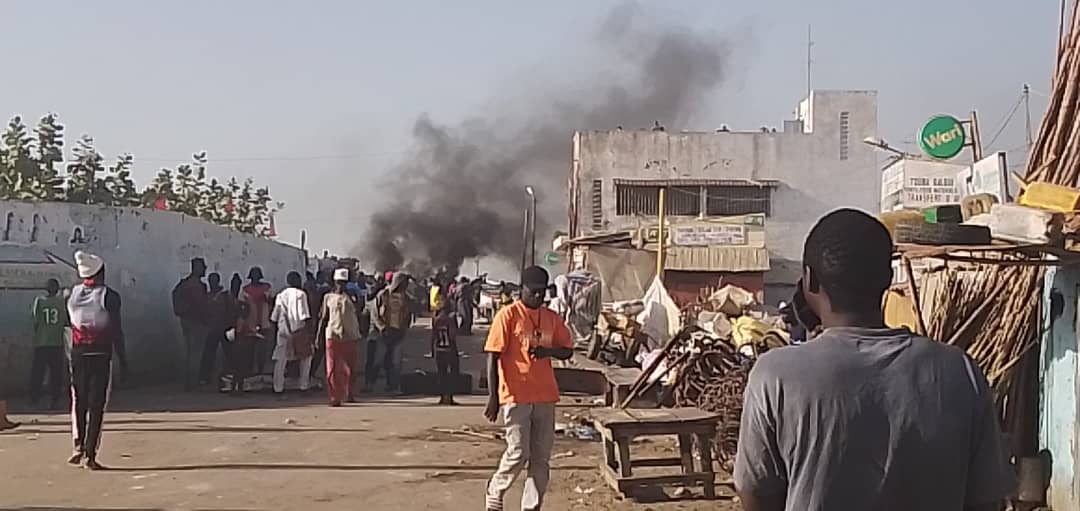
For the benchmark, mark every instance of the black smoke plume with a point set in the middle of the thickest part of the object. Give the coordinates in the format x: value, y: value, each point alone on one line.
x: 460, y: 193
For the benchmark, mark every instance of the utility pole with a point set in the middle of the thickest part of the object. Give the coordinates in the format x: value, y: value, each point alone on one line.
x: 524, y: 245
x: 660, y: 248
x: 976, y: 138
x: 809, y: 59
x: 1027, y: 113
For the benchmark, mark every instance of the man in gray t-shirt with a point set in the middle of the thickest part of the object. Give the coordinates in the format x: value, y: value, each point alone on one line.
x: 864, y: 417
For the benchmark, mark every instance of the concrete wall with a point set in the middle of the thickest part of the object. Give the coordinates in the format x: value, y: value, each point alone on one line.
x: 1058, y: 424
x: 812, y: 178
x: 146, y: 252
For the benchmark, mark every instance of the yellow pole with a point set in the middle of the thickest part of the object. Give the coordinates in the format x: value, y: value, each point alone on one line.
x: 660, y: 240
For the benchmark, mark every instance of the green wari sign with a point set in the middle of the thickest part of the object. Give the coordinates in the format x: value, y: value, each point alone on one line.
x: 942, y: 137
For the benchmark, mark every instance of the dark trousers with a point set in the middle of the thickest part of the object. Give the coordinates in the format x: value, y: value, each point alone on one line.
x: 447, y: 367
x: 47, y: 359
x: 90, y: 377
x: 388, y: 342
x: 241, y: 354
x: 465, y: 313
x: 214, y: 339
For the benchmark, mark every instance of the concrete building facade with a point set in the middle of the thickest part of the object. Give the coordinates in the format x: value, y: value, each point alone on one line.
x: 794, y: 175
x: 146, y: 252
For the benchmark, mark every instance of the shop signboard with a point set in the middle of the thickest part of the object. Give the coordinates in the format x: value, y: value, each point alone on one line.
x: 988, y: 176
x: 708, y: 235
x: 914, y: 184
x: 942, y: 137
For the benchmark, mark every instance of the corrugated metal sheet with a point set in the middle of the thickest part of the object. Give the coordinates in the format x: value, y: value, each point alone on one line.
x: 726, y: 259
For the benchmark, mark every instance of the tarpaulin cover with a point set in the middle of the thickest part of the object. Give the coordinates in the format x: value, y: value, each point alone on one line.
x: 624, y: 273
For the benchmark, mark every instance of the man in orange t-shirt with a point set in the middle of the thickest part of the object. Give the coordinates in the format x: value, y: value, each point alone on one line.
x: 523, y: 339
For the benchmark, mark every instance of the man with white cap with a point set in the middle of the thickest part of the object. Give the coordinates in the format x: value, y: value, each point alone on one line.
x: 339, y: 326
x: 96, y: 334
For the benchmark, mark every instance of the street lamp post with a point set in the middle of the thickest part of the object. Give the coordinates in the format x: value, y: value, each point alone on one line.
x: 532, y: 225
x: 884, y: 146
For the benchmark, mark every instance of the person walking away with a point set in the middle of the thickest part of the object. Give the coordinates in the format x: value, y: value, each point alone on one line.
x: 258, y: 297
x: 323, y: 285
x: 50, y: 319
x: 363, y: 317
x: 235, y: 285
x: 220, y: 317
x: 465, y: 300
x: 294, y: 341
x: 340, y: 328
x: 865, y: 417
x: 189, y: 304
x: 435, y: 296
x: 445, y: 348
x: 97, y: 335
x: 523, y: 339
x: 392, y: 317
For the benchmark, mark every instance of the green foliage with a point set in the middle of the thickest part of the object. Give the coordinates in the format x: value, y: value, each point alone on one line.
x: 29, y: 171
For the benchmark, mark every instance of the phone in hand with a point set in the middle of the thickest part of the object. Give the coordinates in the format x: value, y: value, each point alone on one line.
x: 803, y: 313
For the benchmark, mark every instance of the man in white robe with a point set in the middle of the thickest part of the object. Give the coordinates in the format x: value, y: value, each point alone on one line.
x: 291, y: 316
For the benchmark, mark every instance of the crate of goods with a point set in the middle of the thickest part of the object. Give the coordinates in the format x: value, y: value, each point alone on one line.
x: 1023, y: 224
x: 945, y: 214
x: 1050, y: 196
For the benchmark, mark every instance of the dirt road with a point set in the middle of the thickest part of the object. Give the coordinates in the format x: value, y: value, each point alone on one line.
x: 170, y: 450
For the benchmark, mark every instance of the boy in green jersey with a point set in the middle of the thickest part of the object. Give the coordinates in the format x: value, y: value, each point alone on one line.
x: 50, y: 319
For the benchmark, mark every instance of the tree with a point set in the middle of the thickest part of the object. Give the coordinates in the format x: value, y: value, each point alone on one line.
x: 245, y: 220
x: 50, y: 148
x: 160, y: 189
x: 18, y: 170
x: 119, y: 188
x: 29, y: 170
x: 84, y: 182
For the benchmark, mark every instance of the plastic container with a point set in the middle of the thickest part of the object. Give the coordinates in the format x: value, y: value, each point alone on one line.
x: 1051, y: 197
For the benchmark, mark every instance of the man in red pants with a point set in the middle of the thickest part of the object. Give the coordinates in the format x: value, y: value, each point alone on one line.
x: 340, y: 327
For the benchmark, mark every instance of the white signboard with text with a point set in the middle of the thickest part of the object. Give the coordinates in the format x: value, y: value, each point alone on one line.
x: 914, y: 184
x: 708, y: 235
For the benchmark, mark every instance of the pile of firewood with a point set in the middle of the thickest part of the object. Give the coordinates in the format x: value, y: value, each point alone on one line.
x: 992, y: 313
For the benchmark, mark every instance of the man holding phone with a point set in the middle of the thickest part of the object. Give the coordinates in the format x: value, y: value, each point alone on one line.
x: 523, y: 339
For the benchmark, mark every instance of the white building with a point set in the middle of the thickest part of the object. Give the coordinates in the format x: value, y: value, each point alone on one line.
x: 814, y: 164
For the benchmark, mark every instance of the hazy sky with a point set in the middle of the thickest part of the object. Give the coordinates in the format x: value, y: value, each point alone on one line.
x: 316, y: 99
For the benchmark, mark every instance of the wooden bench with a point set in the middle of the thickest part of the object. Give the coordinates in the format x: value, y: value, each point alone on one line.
x: 618, y: 428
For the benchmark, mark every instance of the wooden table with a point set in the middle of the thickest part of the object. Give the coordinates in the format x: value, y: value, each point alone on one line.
x: 618, y: 428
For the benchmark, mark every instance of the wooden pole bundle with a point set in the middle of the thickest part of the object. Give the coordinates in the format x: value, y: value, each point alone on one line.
x: 993, y: 313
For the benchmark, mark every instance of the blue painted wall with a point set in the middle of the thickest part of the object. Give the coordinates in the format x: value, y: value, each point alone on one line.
x: 1058, y: 403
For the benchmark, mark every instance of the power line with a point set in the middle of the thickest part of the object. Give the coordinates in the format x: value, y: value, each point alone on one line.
x: 1005, y: 121
x: 321, y: 157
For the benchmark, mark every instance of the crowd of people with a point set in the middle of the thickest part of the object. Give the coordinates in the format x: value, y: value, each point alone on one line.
x: 883, y: 418
x: 323, y: 317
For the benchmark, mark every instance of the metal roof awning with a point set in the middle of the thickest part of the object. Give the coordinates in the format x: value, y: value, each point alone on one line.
x: 725, y: 259
x: 608, y: 238
x: 761, y: 183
